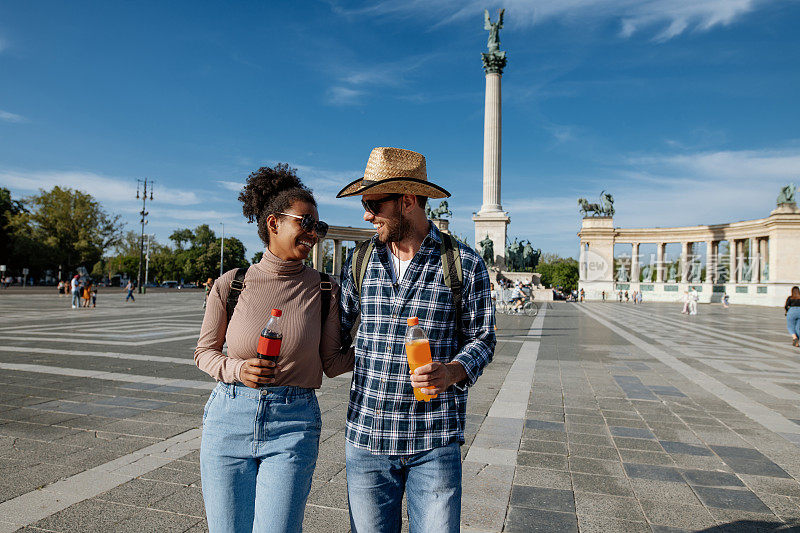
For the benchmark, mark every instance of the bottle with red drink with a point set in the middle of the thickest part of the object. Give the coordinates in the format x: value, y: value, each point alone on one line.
x: 269, y: 344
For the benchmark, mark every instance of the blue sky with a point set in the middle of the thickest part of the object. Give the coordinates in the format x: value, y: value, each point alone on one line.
x: 685, y: 110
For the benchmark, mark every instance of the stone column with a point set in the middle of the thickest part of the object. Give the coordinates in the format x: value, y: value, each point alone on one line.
x: 732, y: 250
x: 660, y: 262
x: 635, y: 262
x: 337, y: 257
x: 711, y: 261
x: 491, y: 145
x: 739, y: 260
x: 491, y: 220
x: 762, y: 250
x: 582, y: 262
x: 316, y: 255
x: 755, y: 260
x: 684, y: 262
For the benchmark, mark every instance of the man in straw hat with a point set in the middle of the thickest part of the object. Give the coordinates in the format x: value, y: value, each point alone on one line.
x: 396, y: 444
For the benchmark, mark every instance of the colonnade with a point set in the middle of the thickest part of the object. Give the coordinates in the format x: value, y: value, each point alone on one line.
x: 760, y: 266
x: 746, y: 263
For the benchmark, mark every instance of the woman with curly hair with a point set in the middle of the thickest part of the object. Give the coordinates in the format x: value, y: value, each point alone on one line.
x: 262, y: 422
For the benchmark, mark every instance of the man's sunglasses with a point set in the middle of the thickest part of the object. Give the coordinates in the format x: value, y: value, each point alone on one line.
x: 307, y: 223
x: 373, y: 207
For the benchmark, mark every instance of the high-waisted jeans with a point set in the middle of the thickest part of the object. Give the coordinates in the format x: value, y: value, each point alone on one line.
x: 257, y: 457
x: 793, y: 321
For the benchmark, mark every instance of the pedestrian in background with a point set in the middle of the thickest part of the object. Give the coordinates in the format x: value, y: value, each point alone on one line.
x: 87, y: 293
x: 694, y: 297
x: 686, y: 298
x: 75, y: 288
x: 726, y: 301
x: 94, y: 296
x: 129, y: 287
x: 792, y: 310
x: 61, y: 288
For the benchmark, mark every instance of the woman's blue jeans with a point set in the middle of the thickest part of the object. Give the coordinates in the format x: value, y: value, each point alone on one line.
x: 430, y: 479
x: 257, y: 457
x: 793, y: 321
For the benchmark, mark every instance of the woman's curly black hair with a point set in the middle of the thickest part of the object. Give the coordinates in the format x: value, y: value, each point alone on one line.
x: 271, y: 190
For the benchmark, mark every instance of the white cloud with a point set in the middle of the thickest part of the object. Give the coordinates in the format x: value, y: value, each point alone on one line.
x: 339, y: 95
x: 6, y: 116
x: 234, y: 186
x: 668, y: 18
x: 109, y: 190
x: 351, y: 86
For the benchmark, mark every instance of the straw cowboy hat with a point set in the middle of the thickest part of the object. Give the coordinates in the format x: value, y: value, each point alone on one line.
x: 394, y: 170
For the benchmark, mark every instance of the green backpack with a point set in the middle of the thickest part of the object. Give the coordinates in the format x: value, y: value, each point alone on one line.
x: 451, y: 264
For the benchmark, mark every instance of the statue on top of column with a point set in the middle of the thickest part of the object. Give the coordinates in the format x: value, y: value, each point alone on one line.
x: 494, y: 30
x: 494, y: 60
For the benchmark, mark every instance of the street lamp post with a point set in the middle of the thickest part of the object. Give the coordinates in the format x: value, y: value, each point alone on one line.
x: 144, y: 214
x: 222, y: 251
x: 147, y: 261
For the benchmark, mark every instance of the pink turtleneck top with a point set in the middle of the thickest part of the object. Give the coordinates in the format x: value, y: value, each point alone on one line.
x: 307, y: 348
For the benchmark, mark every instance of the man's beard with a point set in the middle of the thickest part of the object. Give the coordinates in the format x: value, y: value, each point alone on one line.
x: 397, y: 230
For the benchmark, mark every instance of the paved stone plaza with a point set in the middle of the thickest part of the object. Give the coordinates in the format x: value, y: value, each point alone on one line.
x: 595, y: 417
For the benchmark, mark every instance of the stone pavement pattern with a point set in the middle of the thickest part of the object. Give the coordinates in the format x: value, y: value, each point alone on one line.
x: 596, y: 417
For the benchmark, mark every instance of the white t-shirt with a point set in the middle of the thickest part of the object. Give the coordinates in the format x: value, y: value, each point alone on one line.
x: 398, y: 265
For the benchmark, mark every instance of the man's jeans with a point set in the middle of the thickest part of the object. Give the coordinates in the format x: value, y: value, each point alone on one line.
x: 375, y: 486
x: 257, y: 456
x: 76, y: 298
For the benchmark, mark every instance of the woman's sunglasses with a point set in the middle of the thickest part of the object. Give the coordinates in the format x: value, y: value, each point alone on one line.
x: 307, y: 223
x: 373, y: 207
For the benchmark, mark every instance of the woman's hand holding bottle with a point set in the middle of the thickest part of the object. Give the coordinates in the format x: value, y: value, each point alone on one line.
x: 258, y: 372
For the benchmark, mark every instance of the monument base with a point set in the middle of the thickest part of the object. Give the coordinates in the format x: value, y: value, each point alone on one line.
x: 495, y: 225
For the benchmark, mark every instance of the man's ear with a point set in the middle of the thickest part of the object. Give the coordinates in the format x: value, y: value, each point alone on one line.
x: 408, y: 202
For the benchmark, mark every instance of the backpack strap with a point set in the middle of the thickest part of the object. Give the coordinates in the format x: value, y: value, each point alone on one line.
x: 237, y: 286
x: 360, y: 261
x: 453, y: 274
x: 325, y: 287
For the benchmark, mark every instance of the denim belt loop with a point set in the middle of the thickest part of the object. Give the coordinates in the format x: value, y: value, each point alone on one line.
x: 232, y: 388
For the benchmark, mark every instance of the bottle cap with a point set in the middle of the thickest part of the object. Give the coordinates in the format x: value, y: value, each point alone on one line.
x: 413, y: 321
x: 276, y: 312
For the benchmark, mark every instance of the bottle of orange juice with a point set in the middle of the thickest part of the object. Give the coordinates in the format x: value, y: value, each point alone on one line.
x: 418, y: 351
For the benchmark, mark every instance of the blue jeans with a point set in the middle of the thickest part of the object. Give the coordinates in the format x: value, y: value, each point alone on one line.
x: 257, y: 456
x: 130, y: 295
x: 375, y: 486
x: 76, y: 298
x: 793, y: 321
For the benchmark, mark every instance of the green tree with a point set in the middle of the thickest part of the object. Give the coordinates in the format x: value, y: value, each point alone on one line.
x: 257, y: 257
x: 9, y: 209
x: 68, y: 226
x: 559, y: 271
x: 180, y: 236
x: 72, y: 225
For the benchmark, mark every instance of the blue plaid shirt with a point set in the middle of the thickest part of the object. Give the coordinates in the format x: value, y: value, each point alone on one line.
x: 383, y: 416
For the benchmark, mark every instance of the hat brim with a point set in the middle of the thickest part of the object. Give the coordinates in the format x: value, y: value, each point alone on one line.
x: 393, y: 185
